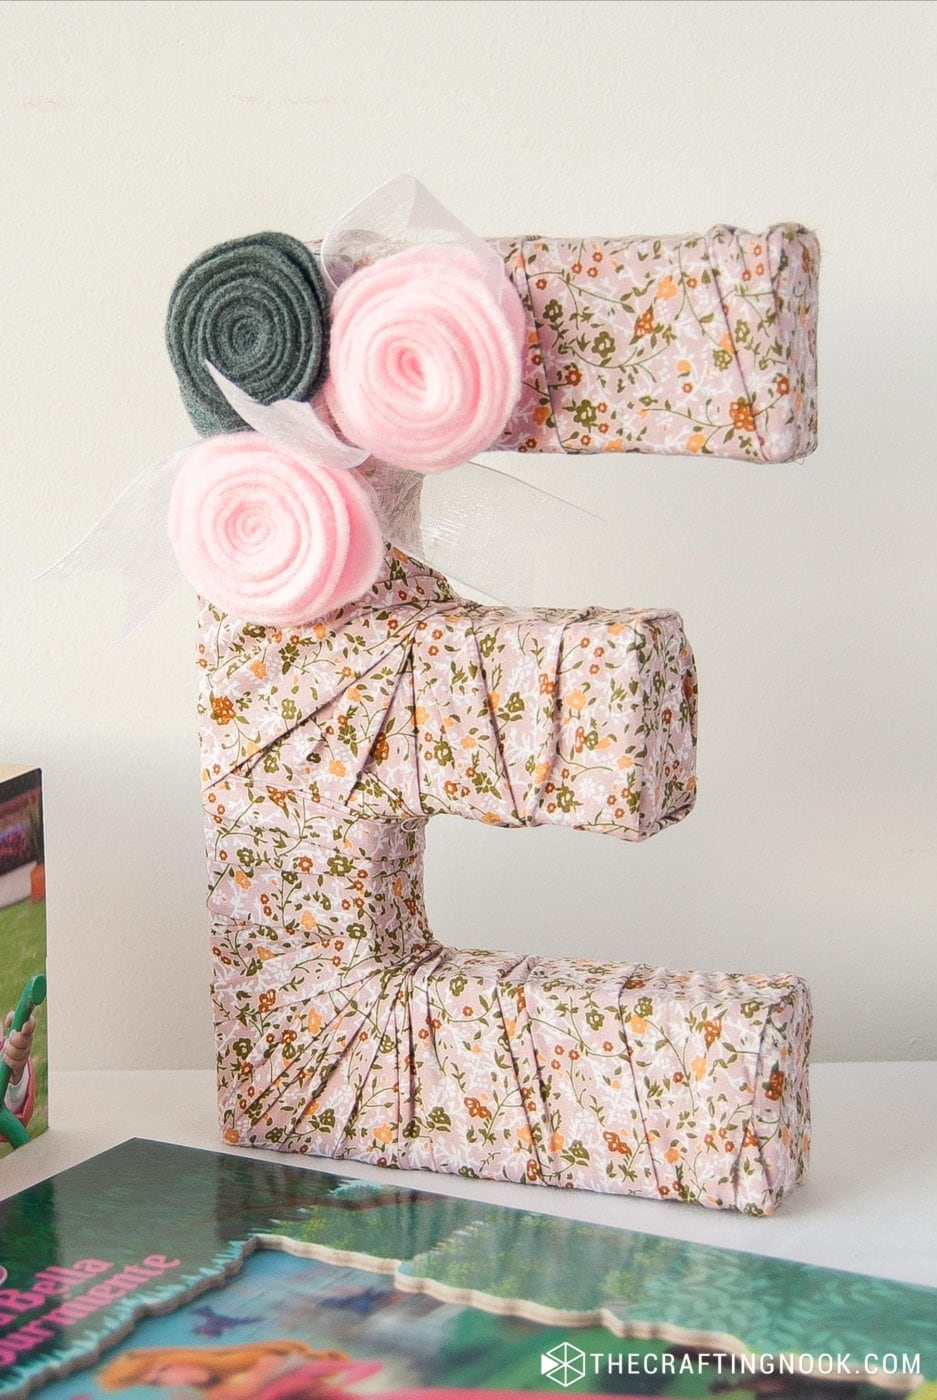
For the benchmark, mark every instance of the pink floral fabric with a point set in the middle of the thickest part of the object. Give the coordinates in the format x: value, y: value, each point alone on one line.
x: 703, y: 344
x: 346, y: 1029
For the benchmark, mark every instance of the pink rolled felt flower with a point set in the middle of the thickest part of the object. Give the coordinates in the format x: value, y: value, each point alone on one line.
x: 268, y: 537
x: 425, y: 357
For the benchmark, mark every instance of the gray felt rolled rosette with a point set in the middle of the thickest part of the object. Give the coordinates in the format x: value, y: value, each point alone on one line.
x: 256, y: 309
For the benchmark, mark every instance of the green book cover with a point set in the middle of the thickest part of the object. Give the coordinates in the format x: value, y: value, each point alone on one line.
x: 24, y: 1111
x: 154, y: 1268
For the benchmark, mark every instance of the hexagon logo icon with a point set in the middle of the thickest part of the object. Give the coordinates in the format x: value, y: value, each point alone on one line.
x: 563, y: 1364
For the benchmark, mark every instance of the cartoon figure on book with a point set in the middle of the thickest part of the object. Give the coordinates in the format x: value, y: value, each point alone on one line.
x: 17, y: 1070
x: 274, y: 1370
x: 15, y: 1047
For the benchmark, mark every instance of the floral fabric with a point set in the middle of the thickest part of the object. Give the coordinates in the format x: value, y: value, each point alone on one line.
x: 346, y: 1029
x: 703, y: 344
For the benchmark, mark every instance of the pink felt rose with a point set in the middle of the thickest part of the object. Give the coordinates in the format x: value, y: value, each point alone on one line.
x: 425, y: 357
x: 268, y: 537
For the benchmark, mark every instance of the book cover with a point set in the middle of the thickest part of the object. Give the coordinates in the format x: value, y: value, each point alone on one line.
x: 154, y: 1268
x: 23, y: 1047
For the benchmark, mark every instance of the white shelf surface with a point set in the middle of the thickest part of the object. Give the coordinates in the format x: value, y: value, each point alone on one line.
x: 868, y: 1203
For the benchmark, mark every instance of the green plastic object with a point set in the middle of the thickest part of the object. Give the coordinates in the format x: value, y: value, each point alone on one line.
x: 32, y: 995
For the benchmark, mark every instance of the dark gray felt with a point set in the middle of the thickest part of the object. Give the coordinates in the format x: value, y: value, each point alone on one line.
x: 257, y: 309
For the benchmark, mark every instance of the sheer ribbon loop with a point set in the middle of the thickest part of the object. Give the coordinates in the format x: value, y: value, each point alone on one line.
x: 400, y: 214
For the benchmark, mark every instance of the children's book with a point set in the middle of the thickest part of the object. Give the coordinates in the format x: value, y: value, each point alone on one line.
x: 23, y: 1059
x: 154, y: 1268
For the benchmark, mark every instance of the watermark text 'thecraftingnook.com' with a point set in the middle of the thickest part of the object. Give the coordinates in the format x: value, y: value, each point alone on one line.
x: 566, y: 1364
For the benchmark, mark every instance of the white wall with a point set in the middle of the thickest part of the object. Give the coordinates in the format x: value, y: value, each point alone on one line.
x: 136, y: 134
